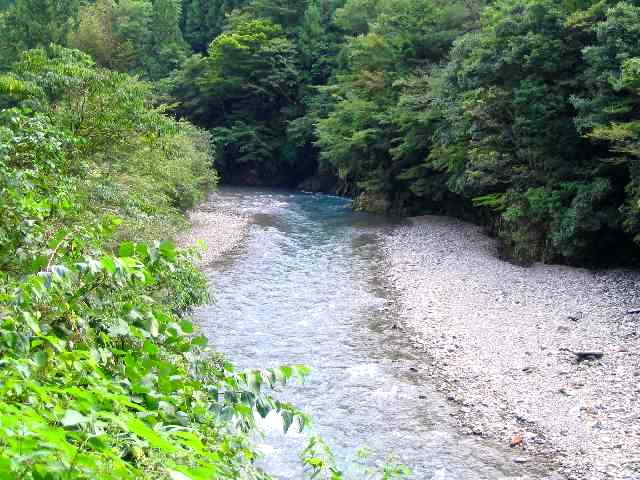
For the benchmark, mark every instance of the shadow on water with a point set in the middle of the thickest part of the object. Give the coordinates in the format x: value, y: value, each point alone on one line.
x: 308, y: 286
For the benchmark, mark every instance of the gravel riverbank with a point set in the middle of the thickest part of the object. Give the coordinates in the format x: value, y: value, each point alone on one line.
x: 498, y: 339
x: 217, y: 225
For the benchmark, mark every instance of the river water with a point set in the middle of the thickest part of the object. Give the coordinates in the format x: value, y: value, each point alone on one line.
x: 308, y: 286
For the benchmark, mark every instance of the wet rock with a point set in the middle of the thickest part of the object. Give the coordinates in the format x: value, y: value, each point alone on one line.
x: 372, y: 202
x: 589, y: 355
x: 575, y: 317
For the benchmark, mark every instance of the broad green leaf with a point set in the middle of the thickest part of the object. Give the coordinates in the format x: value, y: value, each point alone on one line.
x: 31, y: 322
x: 155, y: 440
x: 200, y: 341
x: 186, y: 326
x: 109, y: 264
x: 72, y: 418
x: 127, y: 249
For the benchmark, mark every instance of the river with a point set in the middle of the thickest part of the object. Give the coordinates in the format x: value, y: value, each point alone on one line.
x: 308, y: 286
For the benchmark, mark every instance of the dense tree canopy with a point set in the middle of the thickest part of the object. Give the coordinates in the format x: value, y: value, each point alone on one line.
x: 520, y: 114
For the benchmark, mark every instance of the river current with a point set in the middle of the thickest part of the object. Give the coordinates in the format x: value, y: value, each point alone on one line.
x: 308, y: 286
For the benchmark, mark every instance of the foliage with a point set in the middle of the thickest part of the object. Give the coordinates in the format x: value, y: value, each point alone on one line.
x: 117, y: 35
x: 431, y: 106
x: 246, y: 83
x: 102, y: 381
x: 33, y: 23
x: 501, y: 112
x: 203, y: 20
x: 142, y: 165
x: 104, y: 375
x: 321, y: 464
x: 133, y: 36
x: 366, y: 136
x: 607, y: 112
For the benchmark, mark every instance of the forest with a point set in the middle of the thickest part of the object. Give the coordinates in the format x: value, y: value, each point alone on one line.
x: 518, y: 115
x: 118, y: 116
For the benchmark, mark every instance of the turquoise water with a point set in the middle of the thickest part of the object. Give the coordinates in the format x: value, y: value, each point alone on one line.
x: 308, y: 287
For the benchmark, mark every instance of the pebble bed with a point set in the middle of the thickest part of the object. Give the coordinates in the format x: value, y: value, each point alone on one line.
x: 216, y: 227
x: 498, y: 340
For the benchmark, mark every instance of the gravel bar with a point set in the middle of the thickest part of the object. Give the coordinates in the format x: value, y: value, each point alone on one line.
x: 501, y: 341
x: 216, y: 225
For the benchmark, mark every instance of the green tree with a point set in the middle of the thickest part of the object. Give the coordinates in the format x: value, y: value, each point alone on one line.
x: 520, y: 114
x: 133, y: 36
x: 116, y: 34
x: 608, y: 113
x: 247, y: 82
x: 35, y: 23
x: 360, y: 135
x: 204, y: 20
x: 169, y: 50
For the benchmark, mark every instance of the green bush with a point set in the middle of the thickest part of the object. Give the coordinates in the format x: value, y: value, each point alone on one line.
x: 103, y: 374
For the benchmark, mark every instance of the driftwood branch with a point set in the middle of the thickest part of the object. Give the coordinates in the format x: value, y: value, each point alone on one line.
x: 585, y: 355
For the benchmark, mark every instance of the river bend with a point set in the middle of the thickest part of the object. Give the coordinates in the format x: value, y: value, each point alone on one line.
x: 308, y: 286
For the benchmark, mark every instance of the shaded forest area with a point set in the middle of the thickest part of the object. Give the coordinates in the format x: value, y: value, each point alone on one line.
x: 520, y: 115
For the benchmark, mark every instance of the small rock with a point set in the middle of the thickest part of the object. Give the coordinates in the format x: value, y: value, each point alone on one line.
x: 575, y: 317
x: 521, y: 460
x: 517, y: 440
x: 588, y: 355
